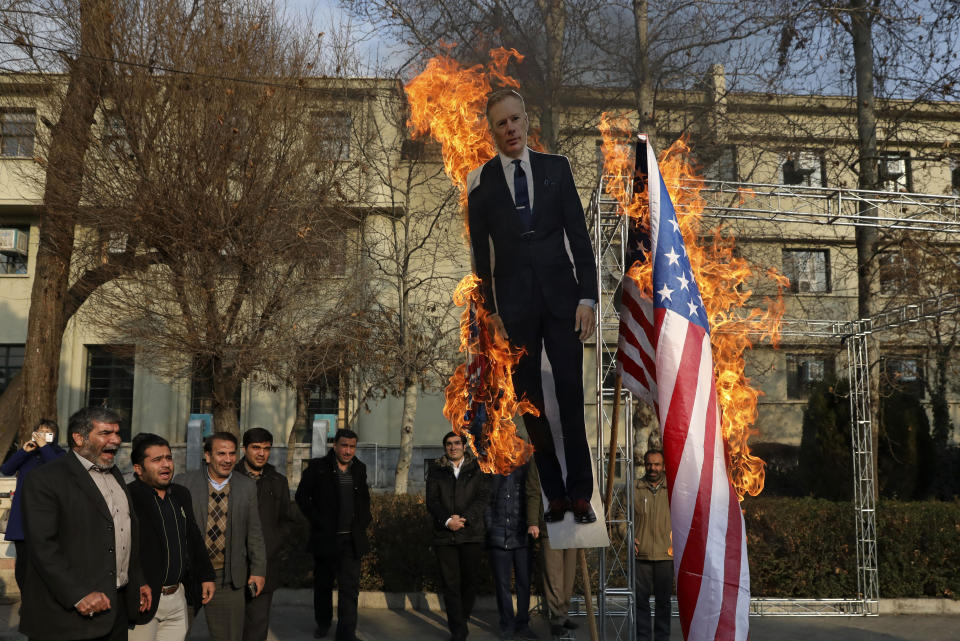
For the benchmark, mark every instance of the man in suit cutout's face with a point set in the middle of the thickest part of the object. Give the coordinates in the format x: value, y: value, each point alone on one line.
x: 509, y: 123
x: 101, y: 444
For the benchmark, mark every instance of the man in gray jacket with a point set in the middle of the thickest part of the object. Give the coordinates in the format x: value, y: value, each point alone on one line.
x: 225, y: 506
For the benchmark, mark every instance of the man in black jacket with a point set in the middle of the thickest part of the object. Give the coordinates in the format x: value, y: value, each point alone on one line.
x: 273, y: 499
x: 506, y: 521
x: 334, y: 496
x: 83, y: 578
x: 173, y: 556
x: 457, y: 494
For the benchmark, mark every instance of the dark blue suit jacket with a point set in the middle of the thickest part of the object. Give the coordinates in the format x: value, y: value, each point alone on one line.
x: 523, y: 262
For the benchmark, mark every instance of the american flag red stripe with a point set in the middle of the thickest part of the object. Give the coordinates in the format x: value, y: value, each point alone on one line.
x: 669, y: 362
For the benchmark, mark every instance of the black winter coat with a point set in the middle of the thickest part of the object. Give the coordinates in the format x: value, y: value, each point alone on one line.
x: 319, y: 499
x: 466, y: 495
x: 273, y: 501
x: 196, y: 562
x: 506, y: 513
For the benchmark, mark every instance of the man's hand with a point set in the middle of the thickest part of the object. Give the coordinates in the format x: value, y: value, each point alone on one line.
x: 257, y: 581
x: 636, y: 547
x: 534, y: 531
x: 585, y: 319
x: 457, y: 522
x: 93, y: 603
x: 495, y: 326
x: 207, y: 588
x: 146, y: 598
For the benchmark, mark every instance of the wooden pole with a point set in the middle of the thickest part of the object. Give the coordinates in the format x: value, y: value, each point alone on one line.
x: 614, y: 437
x: 588, y: 594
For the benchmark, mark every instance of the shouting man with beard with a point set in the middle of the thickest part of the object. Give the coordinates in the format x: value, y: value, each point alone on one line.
x: 83, y: 577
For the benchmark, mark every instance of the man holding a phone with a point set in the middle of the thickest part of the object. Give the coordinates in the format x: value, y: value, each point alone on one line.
x: 225, y: 507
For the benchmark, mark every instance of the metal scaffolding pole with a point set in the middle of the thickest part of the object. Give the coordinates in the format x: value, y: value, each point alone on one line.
x: 778, y: 204
x: 615, y: 594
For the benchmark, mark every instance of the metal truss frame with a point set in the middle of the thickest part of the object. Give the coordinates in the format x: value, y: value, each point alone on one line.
x: 768, y: 204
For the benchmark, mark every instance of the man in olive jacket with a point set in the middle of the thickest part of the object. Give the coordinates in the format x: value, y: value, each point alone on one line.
x: 457, y: 495
x: 334, y: 496
x: 276, y: 516
x: 653, y: 548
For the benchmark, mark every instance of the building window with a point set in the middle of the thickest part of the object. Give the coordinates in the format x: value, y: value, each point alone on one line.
x: 110, y: 370
x: 17, y: 131
x: 807, y: 269
x: 114, y: 136
x: 723, y: 166
x: 903, y: 374
x: 804, y: 168
x: 11, y: 361
x: 323, y: 397
x: 894, y: 171
x: 894, y: 272
x: 14, y: 243
x: 334, y: 129
x: 806, y: 370
x: 955, y: 176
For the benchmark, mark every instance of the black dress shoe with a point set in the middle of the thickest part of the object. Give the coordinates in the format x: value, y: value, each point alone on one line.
x: 570, y: 625
x: 557, y: 630
x: 555, y: 510
x: 320, y: 632
x: 583, y: 511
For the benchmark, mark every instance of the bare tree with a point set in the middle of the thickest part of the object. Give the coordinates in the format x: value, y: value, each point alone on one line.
x: 216, y: 157
x: 414, y: 252
x: 82, y: 40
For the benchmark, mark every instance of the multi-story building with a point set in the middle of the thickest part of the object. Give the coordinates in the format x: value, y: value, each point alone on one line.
x: 798, y: 154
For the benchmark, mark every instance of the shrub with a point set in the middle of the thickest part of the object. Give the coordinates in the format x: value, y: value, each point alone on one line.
x: 798, y: 548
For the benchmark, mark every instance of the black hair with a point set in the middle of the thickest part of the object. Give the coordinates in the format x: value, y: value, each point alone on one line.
x: 449, y: 434
x: 81, y: 421
x: 344, y: 433
x: 143, y: 441
x: 257, y: 435
x: 218, y: 436
x: 649, y: 452
x: 49, y: 424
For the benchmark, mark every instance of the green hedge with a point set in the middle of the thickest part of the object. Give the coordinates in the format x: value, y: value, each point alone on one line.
x: 798, y: 548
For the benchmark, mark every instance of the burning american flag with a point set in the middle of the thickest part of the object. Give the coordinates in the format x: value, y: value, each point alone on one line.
x: 665, y: 358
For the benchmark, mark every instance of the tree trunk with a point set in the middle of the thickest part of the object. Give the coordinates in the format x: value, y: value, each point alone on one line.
x: 554, y: 23
x: 643, y: 81
x: 10, y: 412
x: 861, y: 25
x: 225, y: 408
x: 299, y: 426
x: 69, y: 140
x: 410, y: 396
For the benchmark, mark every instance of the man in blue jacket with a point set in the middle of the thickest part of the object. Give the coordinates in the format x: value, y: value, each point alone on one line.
x: 506, y: 521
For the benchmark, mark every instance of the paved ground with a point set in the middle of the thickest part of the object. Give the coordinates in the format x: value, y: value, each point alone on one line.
x: 295, y: 623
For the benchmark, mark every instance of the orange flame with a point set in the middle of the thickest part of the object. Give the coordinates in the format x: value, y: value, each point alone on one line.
x: 722, y: 277
x: 447, y: 103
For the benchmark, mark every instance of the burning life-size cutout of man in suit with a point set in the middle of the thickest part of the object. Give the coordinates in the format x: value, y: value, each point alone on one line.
x: 534, y: 258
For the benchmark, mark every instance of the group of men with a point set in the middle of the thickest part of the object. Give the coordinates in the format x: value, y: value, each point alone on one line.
x: 109, y: 560
x: 101, y: 554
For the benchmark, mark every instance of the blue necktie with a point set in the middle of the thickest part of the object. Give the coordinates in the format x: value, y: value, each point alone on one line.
x: 521, y: 196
